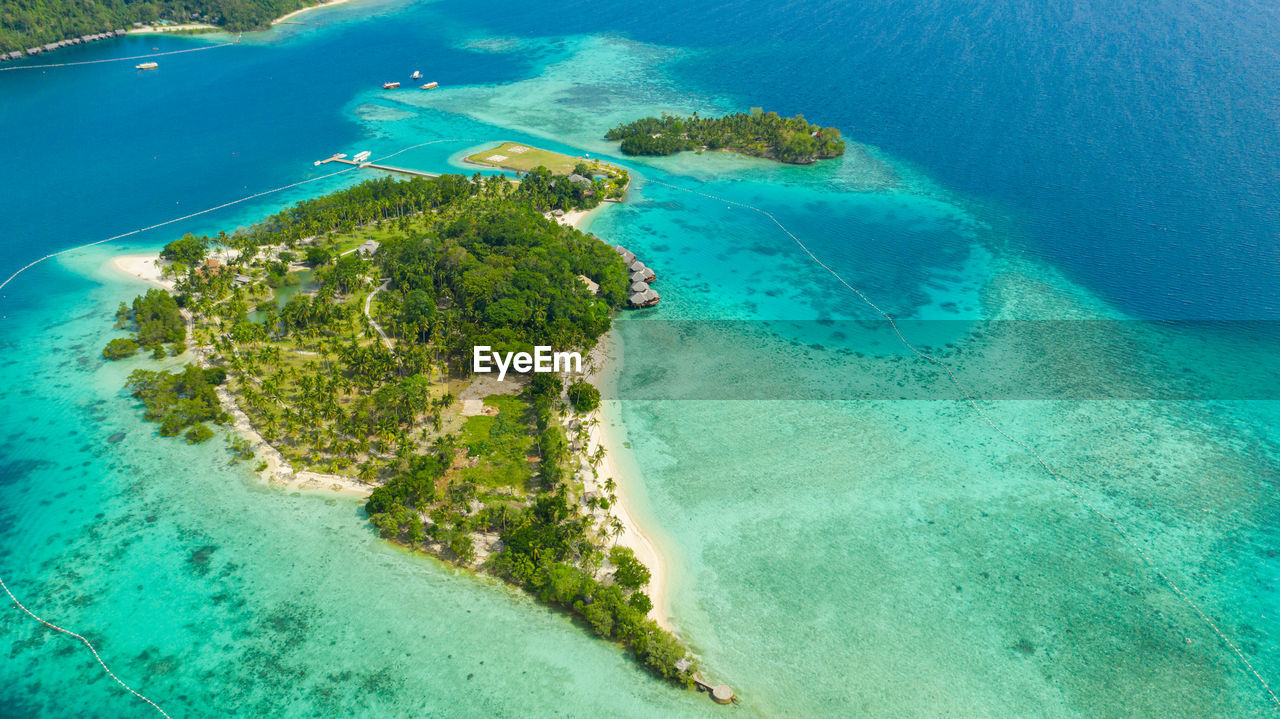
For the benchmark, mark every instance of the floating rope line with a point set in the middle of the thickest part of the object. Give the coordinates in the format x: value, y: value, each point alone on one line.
x: 973, y: 402
x: 115, y: 59
x: 168, y: 222
x: 87, y: 643
x: 29, y: 265
x: 246, y: 198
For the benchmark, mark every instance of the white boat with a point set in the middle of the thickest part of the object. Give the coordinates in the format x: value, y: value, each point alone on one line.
x: 417, y: 75
x: 339, y: 155
x: 362, y: 156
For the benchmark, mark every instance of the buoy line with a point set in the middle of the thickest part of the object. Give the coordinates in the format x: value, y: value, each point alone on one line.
x: 33, y: 263
x: 973, y: 402
x: 87, y: 643
x: 114, y: 59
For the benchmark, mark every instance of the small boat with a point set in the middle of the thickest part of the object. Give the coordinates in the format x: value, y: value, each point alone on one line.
x: 339, y: 155
x: 417, y: 75
x: 146, y: 66
x: 390, y: 85
x: 430, y: 86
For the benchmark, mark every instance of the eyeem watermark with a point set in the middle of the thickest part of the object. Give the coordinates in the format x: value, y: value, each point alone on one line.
x: 542, y: 360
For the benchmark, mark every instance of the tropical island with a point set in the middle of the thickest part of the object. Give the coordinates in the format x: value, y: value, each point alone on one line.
x: 31, y: 23
x: 340, y: 331
x: 759, y: 134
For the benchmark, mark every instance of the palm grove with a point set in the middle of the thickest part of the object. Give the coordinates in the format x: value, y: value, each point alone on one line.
x: 460, y: 262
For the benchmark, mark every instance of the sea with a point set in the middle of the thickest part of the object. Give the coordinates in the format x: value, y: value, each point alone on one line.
x: 1047, y: 489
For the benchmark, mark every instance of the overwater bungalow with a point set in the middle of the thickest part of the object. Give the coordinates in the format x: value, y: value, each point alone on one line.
x: 627, y: 256
x: 639, y: 287
x: 648, y: 298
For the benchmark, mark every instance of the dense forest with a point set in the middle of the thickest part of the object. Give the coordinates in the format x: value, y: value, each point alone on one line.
x: 360, y: 373
x: 155, y: 320
x: 28, y: 23
x: 759, y: 134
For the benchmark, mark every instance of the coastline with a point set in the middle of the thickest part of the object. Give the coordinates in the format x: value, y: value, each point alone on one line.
x: 299, y: 11
x: 602, y: 366
x: 142, y: 267
x: 278, y: 471
x: 163, y: 29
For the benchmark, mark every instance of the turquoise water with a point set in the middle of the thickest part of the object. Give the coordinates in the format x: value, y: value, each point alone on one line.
x: 883, y: 553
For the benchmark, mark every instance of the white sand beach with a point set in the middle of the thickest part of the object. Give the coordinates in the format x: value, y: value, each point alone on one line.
x: 578, y: 218
x: 143, y: 267
x: 299, y: 11
x: 162, y: 29
x: 633, y: 535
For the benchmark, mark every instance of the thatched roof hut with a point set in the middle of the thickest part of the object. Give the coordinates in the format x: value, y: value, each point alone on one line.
x: 639, y: 286
x: 722, y: 694
x: 627, y: 255
x: 647, y: 298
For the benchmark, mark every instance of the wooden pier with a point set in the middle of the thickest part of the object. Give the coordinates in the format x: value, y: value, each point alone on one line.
x: 384, y: 168
x: 720, y: 693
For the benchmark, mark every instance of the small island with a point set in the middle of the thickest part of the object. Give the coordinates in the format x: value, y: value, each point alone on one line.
x: 336, y: 337
x: 791, y: 140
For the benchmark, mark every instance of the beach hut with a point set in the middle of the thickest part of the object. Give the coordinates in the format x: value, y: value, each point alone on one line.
x: 722, y: 694
x: 639, y: 287
x: 627, y: 256
x: 647, y: 298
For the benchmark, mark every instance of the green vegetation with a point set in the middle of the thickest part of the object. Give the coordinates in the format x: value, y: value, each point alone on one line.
x: 28, y: 23
x: 155, y: 320
x: 461, y: 262
x: 180, y: 400
x: 584, y: 397
x: 187, y: 250
x: 120, y: 348
x: 499, y: 446
x: 759, y: 134
x: 593, y: 181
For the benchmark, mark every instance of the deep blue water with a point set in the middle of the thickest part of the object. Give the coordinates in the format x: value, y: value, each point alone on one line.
x: 1133, y: 145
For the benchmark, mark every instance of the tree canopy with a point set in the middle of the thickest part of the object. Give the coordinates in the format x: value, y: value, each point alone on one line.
x: 760, y: 134
x: 27, y: 23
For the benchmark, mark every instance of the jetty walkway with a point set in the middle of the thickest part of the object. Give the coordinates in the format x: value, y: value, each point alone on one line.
x: 374, y: 166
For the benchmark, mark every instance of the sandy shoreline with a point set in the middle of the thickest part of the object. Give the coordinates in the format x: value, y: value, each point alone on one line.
x: 604, y: 360
x: 279, y: 471
x: 299, y: 11
x: 162, y: 29
x: 143, y: 267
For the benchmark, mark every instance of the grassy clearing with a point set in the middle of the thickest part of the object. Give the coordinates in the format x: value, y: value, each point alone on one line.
x: 502, y: 443
x: 515, y: 156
